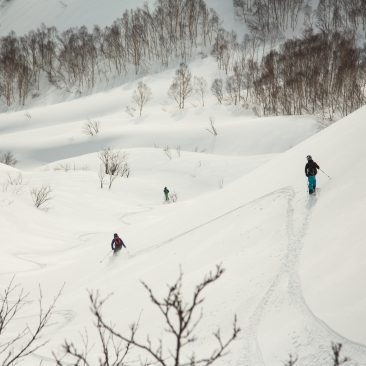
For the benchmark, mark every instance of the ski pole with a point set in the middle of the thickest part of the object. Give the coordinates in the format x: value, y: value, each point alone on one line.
x: 104, y: 258
x: 325, y: 173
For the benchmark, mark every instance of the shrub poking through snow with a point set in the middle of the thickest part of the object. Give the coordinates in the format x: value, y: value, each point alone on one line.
x: 114, y: 164
x: 41, y: 195
x: 337, y: 359
x: 212, y: 128
x: 291, y: 360
x: 91, y: 128
x: 15, y: 182
x: 8, y: 158
x: 168, y: 152
x: 173, y: 197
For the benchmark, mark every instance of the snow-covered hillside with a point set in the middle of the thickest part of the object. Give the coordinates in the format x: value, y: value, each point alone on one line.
x: 294, y: 263
x: 58, y: 128
x: 256, y: 225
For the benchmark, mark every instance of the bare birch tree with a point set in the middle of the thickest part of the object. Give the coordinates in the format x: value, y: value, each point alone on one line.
x: 141, y: 96
x: 182, y: 87
x: 200, y: 86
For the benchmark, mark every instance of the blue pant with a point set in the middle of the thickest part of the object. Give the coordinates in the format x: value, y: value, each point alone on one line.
x: 311, y: 183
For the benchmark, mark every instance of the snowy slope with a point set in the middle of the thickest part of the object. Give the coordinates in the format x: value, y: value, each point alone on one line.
x: 257, y: 227
x: 58, y: 128
x: 294, y: 264
x: 333, y: 286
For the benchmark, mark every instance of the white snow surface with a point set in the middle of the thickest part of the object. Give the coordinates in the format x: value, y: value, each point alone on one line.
x: 294, y: 263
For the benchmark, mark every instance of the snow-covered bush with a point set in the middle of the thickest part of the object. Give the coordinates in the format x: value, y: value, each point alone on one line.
x: 168, y: 152
x: 91, y: 128
x: 114, y: 164
x: 173, y: 197
x: 8, y: 158
x: 41, y: 195
x: 212, y: 128
x: 15, y: 182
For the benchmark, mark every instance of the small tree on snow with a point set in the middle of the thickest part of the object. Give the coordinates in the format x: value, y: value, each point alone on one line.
x: 8, y: 158
x: 101, y: 175
x: 200, y: 86
x: 212, y: 128
x: 181, y: 88
x: 141, y: 96
x: 291, y: 360
x: 91, y: 128
x: 114, y: 164
x: 217, y: 89
x: 337, y: 359
x: 41, y: 195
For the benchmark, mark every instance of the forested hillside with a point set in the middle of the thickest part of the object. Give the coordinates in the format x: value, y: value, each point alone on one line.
x: 296, y: 57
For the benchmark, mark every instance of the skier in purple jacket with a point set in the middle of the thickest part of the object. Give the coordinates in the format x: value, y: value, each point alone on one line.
x: 117, y: 243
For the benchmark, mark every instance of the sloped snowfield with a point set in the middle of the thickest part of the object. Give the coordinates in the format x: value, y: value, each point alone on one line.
x: 294, y: 264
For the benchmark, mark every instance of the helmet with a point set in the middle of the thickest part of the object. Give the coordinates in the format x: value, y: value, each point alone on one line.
x: 309, y: 157
x: 115, y: 235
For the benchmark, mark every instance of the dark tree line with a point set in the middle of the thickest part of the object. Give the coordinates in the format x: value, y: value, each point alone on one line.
x: 323, y: 72
x: 319, y: 73
x: 341, y: 15
x: 78, y: 58
x: 264, y: 17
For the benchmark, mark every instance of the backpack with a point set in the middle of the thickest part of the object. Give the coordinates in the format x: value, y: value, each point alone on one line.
x: 312, y: 170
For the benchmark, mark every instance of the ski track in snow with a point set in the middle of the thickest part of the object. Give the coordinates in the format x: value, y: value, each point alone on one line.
x: 184, y: 233
x: 318, y: 335
x: 22, y: 256
x: 127, y: 214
